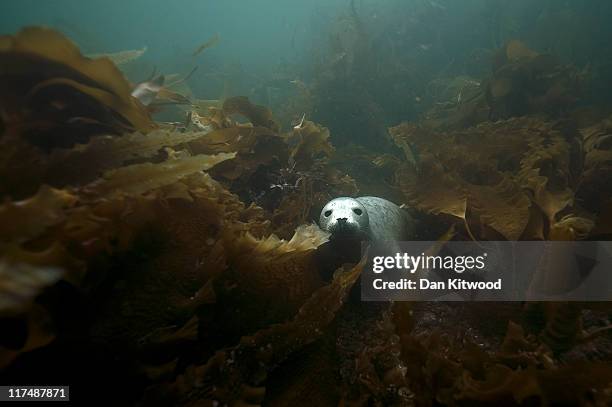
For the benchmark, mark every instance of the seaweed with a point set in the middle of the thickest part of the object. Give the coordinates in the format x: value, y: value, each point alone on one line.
x: 121, y: 57
x: 495, y: 172
x: 41, y: 69
x: 208, y: 44
x: 258, y: 115
x: 235, y: 375
x: 188, y: 253
x: 117, y: 208
x: 526, y: 82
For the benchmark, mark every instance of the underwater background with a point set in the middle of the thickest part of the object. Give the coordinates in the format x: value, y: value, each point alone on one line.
x: 162, y: 165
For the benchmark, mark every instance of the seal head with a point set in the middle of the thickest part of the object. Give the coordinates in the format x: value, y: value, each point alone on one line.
x: 345, y: 218
x: 366, y: 218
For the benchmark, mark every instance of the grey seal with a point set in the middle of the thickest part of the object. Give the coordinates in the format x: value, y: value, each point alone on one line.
x: 366, y: 218
x: 353, y: 221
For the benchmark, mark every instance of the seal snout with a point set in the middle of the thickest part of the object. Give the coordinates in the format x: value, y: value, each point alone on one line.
x: 342, y: 226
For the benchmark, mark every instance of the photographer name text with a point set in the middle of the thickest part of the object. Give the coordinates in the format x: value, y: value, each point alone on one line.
x: 403, y: 262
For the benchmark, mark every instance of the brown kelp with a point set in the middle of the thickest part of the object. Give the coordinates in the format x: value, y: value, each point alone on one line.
x: 180, y: 263
x: 85, y: 206
x: 45, y: 73
x: 540, y: 175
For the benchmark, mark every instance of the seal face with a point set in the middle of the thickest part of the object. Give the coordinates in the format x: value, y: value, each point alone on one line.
x: 366, y: 218
x: 345, y: 218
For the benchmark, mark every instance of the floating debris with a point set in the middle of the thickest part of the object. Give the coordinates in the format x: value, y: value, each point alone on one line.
x: 208, y: 44
x: 121, y: 57
x: 147, y: 91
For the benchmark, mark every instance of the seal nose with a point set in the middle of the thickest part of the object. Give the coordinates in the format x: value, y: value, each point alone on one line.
x: 342, y: 224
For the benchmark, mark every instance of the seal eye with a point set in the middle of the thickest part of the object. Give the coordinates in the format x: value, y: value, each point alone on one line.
x: 327, y: 213
x: 358, y: 211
